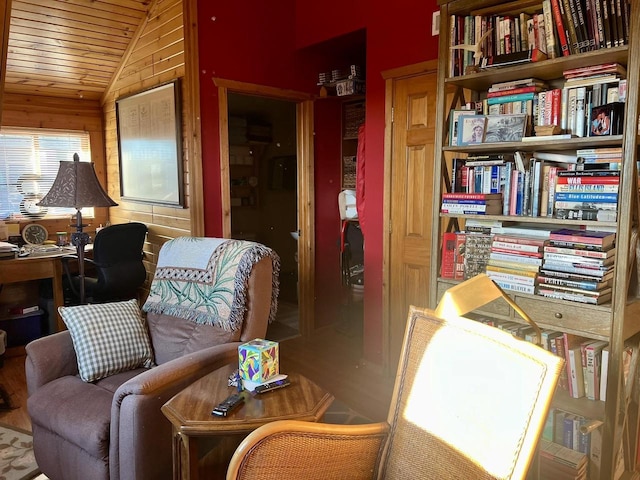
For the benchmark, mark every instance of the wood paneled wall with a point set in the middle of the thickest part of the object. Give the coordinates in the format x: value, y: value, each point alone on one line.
x: 155, y: 56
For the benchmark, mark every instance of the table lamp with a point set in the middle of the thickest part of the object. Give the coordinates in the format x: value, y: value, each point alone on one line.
x: 77, y: 186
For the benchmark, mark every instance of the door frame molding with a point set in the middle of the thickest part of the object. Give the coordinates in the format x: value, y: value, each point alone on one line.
x: 306, y: 189
x: 390, y: 77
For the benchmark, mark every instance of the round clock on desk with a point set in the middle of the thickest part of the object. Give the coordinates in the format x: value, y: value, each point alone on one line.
x: 34, y: 234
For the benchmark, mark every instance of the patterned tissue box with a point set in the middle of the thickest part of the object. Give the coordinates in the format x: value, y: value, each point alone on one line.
x: 258, y: 360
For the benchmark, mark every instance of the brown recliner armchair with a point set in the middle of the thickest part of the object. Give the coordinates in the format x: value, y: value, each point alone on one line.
x: 113, y: 428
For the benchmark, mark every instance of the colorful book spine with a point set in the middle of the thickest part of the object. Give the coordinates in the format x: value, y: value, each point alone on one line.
x: 587, y: 188
x: 516, y: 287
x: 584, y: 285
x: 520, y: 97
x: 562, y: 37
x: 580, y: 252
x: 510, y: 278
x: 447, y: 267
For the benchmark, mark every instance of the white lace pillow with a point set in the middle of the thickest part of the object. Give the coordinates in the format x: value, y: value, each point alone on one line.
x: 108, y: 338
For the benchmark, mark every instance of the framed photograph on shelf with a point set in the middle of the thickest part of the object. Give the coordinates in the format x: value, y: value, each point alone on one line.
x: 454, y: 115
x: 471, y: 129
x: 606, y: 119
x: 150, y: 145
x: 505, y: 128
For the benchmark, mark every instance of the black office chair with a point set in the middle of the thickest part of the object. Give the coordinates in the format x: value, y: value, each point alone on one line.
x: 117, y: 260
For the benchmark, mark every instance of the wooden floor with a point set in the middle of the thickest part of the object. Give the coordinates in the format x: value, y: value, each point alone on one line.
x: 332, y: 358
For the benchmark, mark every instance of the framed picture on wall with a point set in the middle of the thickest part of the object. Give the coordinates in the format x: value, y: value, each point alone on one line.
x: 150, y: 145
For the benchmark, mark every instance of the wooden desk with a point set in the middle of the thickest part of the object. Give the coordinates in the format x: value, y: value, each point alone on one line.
x: 190, y: 414
x: 36, y: 268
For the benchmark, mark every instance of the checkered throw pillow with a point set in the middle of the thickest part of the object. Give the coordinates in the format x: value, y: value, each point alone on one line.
x: 108, y: 338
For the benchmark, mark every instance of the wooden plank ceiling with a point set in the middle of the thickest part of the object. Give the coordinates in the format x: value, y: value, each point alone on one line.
x: 69, y: 48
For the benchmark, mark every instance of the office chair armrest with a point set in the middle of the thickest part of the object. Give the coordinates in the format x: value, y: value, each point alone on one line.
x: 296, y: 449
x: 49, y: 358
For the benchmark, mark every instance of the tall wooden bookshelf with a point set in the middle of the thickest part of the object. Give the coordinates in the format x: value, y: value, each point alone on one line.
x: 618, y: 321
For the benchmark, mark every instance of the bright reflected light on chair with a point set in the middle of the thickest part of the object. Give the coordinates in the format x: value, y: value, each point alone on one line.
x: 456, y: 400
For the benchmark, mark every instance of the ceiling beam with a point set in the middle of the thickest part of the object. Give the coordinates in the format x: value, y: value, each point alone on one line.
x: 5, y: 19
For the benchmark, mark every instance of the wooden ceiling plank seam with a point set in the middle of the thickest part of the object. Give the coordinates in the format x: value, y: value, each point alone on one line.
x: 163, y: 17
x: 145, y: 62
x: 63, y: 9
x: 141, y: 5
x: 77, y: 39
x: 74, y: 16
x: 127, y: 53
x: 92, y: 57
x: 162, y: 29
x: 18, y: 25
x: 151, y: 70
x: 37, y: 70
x: 107, y: 7
x: 151, y: 48
x: 62, y: 59
x: 53, y: 77
x: 43, y: 43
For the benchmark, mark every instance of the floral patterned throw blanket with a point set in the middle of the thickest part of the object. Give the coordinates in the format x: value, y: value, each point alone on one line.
x: 205, y: 280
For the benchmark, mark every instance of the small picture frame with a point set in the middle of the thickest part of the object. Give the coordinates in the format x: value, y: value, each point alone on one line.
x: 505, y: 128
x: 471, y: 129
x: 606, y: 119
x: 454, y: 115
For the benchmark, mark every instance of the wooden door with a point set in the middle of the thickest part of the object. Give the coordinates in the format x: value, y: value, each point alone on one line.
x: 410, y: 202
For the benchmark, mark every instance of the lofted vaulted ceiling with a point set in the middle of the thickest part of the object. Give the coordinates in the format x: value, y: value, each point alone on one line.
x: 69, y: 48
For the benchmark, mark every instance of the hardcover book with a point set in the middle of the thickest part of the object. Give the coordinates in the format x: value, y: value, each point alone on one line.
x: 602, y: 239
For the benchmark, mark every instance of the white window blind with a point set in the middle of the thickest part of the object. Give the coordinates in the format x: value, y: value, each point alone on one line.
x: 29, y: 161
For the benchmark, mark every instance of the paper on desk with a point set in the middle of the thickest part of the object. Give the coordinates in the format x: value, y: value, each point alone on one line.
x: 251, y: 386
x: 8, y: 247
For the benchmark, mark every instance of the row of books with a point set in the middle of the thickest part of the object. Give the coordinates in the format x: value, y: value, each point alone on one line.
x: 589, y: 104
x: 586, y: 360
x: 572, y: 265
x: 537, y: 185
x: 559, y: 28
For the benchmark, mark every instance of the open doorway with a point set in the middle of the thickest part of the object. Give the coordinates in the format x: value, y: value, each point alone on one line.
x: 263, y: 191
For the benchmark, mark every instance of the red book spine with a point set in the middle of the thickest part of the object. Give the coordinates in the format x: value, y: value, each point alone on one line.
x: 556, y: 105
x: 562, y: 37
x: 459, y: 256
x: 576, y: 239
x: 513, y: 91
x: 469, y: 196
x: 587, y: 180
x: 447, y: 267
x: 521, y: 240
x: 522, y: 253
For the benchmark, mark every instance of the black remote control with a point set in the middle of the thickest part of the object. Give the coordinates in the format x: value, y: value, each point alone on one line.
x: 228, y: 405
x: 268, y: 387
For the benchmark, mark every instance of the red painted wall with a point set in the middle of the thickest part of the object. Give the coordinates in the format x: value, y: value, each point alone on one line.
x: 277, y: 44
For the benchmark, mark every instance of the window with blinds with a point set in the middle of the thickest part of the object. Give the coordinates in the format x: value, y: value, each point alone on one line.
x: 29, y: 161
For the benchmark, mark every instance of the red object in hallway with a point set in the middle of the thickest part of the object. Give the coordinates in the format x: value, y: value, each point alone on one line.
x: 360, y: 161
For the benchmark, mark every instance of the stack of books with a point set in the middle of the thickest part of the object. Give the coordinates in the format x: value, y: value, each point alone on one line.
x: 578, y: 266
x: 561, y: 463
x: 459, y: 203
x: 587, y: 195
x: 514, y: 261
x: 606, y: 158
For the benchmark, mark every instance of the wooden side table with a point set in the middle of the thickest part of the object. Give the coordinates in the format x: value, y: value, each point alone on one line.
x: 194, y: 428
